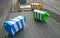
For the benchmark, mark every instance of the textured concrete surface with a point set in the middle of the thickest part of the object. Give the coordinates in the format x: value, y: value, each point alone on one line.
x: 36, y: 29
x: 3, y: 6
x: 52, y: 5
